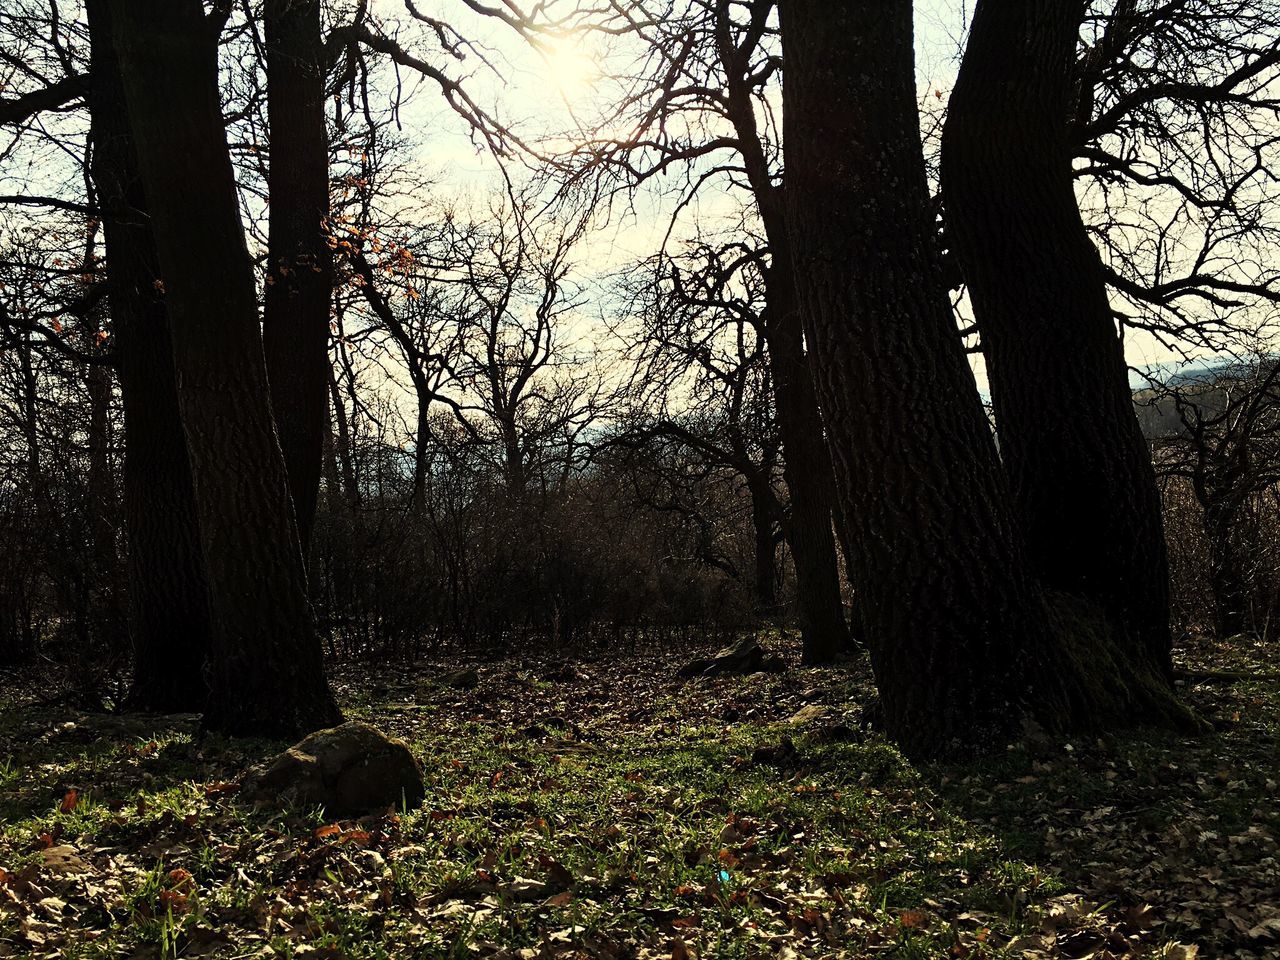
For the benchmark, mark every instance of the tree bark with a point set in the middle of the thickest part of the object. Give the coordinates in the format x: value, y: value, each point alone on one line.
x: 265, y: 668
x: 963, y: 645
x: 295, y: 319
x: 1083, y: 484
x: 952, y: 622
x: 807, y: 470
x: 765, y: 584
x: 168, y: 595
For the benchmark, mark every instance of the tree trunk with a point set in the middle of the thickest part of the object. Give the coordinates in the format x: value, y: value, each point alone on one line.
x: 295, y: 319
x: 265, y: 669
x: 766, y: 547
x: 342, y: 441
x: 1227, y: 580
x: 168, y: 598
x: 807, y: 470
x: 1084, y: 488
x: 962, y: 644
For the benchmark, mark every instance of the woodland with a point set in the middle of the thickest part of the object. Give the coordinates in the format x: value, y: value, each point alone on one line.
x: 639, y: 479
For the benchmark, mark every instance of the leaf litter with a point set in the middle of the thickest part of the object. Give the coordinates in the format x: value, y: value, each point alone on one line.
x: 606, y: 808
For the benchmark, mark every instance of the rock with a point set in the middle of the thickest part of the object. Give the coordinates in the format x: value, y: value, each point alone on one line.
x: 781, y: 755
x: 745, y: 656
x: 461, y: 679
x: 350, y: 770
x: 810, y: 713
x: 527, y: 889
x: 63, y: 859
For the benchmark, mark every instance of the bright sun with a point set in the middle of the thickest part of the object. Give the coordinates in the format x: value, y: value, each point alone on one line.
x: 569, y: 68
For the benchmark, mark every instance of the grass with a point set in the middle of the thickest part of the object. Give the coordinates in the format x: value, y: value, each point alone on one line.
x: 623, y: 813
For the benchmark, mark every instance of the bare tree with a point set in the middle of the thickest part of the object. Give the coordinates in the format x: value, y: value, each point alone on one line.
x: 702, y: 379
x: 265, y: 668
x: 961, y: 640
x: 699, y: 104
x: 295, y: 316
x: 1081, y: 476
x: 170, y: 620
x: 1220, y: 434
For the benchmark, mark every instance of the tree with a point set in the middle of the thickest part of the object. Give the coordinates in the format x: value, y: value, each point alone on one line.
x: 295, y: 319
x: 1225, y: 444
x: 1082, y: 482
x: 265, y: 671
x: 1173, y: 134
x: 707, y: 72
x: 963, y: 644
x: 702, y: 382
x: 169, y: 606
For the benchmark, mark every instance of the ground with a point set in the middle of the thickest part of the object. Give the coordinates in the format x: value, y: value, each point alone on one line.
x: 605, y: 808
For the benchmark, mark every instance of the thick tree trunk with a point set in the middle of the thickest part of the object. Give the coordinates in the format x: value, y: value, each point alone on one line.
x: 1084, y: 488
x: 961, y: 642
x: 295, y: 319
x: 168, y: 596
x: 952, y: 624
x: 265, y: 670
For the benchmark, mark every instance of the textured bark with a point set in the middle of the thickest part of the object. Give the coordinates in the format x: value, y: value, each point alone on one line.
x: 1083, y: 484
x: 265, y: 669
x: 168, y: 598
x: 957, y: 634
x: 763, y: 511
x: 806, y: 461
x: 964, y: 645
x: 295, y: 320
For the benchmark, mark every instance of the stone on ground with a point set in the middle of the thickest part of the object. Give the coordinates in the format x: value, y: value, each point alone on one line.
x: 745, y: 656
x: 351, y: 770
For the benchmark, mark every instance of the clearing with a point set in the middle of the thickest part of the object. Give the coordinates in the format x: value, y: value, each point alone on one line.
x: 605, y: 808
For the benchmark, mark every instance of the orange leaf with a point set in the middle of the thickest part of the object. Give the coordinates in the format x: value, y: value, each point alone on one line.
x: 326, y: 831
x: 173, y: 900
x: 913, y: 918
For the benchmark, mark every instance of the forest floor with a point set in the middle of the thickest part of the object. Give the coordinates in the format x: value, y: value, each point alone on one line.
x: 608, y: 809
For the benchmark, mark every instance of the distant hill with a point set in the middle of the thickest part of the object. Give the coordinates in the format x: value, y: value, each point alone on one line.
x: 1198, y: 383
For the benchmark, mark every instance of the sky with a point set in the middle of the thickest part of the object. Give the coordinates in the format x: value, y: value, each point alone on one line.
x: 548, y: 90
